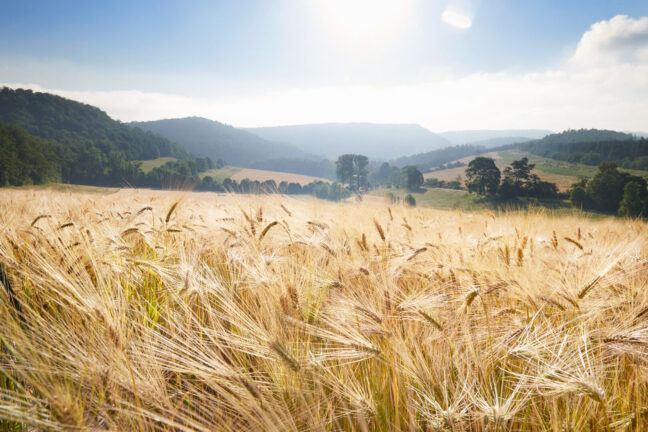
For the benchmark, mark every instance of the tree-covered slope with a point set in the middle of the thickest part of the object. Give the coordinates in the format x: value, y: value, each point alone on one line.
x: 25, y: 159
x: 92, y: 148
x: 72, y: 124
x: 591, y: 147
x: 570, y: 136
x: 220, y: 141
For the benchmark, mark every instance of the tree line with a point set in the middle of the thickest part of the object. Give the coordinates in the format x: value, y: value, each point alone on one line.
x: 28, y: 160
x: 352, y: 170
x: 609, y: 191
x: 324, y: 190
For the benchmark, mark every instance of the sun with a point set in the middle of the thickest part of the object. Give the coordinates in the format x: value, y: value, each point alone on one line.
x: 363, y: 23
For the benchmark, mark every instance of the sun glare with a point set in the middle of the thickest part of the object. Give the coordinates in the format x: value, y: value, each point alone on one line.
x: 362, y: 23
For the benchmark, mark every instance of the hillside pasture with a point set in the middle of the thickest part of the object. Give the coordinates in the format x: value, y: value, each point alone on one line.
x: 563, y: 174
x: 148, y: 165
x: 278, y: 177
x: 452, y: 173
x: 220, y: 174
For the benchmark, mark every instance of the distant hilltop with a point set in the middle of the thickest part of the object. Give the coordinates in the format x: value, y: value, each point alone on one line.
x: 378, y: 141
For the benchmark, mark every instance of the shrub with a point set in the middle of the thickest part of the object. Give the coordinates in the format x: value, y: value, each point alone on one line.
x: 409, y: 200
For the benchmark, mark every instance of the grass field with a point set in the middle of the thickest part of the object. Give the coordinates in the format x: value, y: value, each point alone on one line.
x: 166, y: 311
x: 552, y: 166
x: 462, y: 200
x: 262, y: 175
x: 148, y: 165
x: 438, y: 198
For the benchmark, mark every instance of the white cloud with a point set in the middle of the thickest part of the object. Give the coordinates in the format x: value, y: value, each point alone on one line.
x: 621, y: 39
x: 584, y: 92
x: 456, y: 18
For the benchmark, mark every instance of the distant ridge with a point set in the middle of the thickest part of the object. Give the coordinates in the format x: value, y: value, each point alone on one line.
x: 584, y: 136
x: 216, y: 140
x: 377, y: 141
x: 498, y: 142
x: 434, y: 158
x: 459, y: 137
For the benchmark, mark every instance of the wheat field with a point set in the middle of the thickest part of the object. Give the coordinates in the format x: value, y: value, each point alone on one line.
x: 169, y: 311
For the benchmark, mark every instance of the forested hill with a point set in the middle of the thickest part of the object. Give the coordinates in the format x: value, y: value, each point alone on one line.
x: 584, y: 135
x: 82, y: 142
x: 76, y: 124
x: 591, y: 147
x: 91, y: 147
x: 220, y: 141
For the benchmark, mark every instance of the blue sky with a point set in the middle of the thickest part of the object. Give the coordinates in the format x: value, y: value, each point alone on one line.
x: 443, y: 64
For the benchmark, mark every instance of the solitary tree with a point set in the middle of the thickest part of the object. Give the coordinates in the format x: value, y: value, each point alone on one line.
x: 482, y: 176
x: 352, y: 170
x: 360, y: 163
x: 344, y: 168
x: 412, y: 178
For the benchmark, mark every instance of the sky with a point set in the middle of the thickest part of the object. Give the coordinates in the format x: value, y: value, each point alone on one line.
x: 444, y: 64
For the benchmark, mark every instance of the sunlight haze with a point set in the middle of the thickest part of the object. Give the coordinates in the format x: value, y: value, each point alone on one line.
x: 442, y: 64
x: 323, y: 215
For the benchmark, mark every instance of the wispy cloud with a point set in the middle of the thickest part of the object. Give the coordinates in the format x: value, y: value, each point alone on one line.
x: 456, y: 18
x: 460, y: 13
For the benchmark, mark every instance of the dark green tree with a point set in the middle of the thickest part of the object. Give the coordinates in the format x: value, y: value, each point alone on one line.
x: 578, y: 196
x: 360, y: 163
x: 519, y: 171
x: 344, y: 168
x: 351, y: 169
x: 535, y: 187
x: 633, y: 201
x: 482, y: 176
x: 605, y: 189
x: 321, y: 190
x: 337, y: 192
x: 412, y: 178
